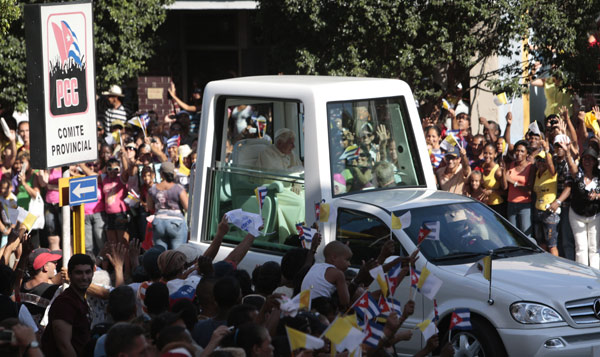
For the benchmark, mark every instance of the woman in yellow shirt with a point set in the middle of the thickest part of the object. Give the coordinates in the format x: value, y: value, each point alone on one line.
x: 492, y: 181
x: 545, y: 219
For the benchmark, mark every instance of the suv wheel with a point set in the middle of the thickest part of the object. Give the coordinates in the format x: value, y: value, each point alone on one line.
x: 481, y: 341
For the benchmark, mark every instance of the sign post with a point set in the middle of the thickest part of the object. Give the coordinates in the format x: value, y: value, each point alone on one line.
x: 60, y: 84
x: 81, y: 190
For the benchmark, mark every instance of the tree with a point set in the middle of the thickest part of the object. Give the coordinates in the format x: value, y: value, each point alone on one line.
x: 432, y: 45
x: 124, y: 37
x: 9, y: 12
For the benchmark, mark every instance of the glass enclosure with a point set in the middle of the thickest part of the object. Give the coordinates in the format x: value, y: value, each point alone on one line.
x: 371, y: 145
x: 259, y: 144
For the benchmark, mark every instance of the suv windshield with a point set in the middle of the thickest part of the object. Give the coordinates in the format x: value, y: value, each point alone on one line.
x: 371, y: 145
x: 464, y: 232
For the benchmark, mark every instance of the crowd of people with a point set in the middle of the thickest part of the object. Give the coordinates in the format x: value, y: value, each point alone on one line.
x: 140, y: 289
x: 545, y: 184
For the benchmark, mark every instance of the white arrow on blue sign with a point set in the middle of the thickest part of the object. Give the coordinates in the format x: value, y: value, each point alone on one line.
x: 83, y: 190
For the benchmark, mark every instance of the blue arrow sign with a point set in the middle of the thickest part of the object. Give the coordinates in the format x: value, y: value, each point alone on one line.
x: 82, y: 190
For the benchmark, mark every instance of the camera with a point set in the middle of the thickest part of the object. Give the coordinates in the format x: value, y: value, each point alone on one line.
x: 6, y: 335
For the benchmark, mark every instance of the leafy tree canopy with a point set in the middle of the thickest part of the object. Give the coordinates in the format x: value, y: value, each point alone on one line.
x: 431, y: 44
x: 124, y: 37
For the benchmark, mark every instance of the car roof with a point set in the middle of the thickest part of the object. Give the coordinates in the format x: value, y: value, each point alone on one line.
x: 406, y: 198
x: 305, y: 80
x: 330, y: 88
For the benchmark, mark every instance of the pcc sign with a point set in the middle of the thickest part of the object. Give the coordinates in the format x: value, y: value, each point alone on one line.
x: 60, y: 83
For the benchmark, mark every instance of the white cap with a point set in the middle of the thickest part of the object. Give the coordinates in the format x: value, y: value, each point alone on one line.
x: 461, y: 108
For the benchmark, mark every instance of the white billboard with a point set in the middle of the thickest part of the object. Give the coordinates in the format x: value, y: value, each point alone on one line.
x: 61, y: 86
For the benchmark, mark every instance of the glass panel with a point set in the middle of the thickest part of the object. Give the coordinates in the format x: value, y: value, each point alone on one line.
x: 260, y: 118
x: 470, y: 231
x: 371, y: 145
x: 364, y: 233
x: 283, y: 207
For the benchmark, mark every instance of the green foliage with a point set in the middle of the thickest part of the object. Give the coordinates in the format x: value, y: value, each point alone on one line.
x: 124, y: 37
x: 9, y: 12
x: 431, y: 44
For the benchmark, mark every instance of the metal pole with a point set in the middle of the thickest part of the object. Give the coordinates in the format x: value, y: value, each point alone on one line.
x: 66, y: 227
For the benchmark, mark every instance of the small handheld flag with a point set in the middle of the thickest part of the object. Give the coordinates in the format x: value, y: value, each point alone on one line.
x: 501, y: 99
x: 299, y: 339
x: 460, y: 319
x: 324, y: 212
x: 381, y: 279
x: 343, y: 335
x: 306, y: 235
x: 423, y: 233
x: 394, y: 277
x: 396, y: 224
x: 318, y: 211
x: 173, y: 141
x: 429, y: 284
x: 384, y: 308
x: 427, y: 329
x: 374, y: 332
x: 350, y: 153
x: 448, y: 142
x: 261, y: 193
x: 366, y: 307
x: 434, y: 230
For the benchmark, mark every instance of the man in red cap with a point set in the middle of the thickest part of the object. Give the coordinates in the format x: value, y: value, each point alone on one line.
x: 38, y: 291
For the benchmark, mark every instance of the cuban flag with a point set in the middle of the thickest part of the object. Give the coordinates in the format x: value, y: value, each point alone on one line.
x: 461, y: 319
x: 350, y: 153
x: 261, y: 193
x: 414, y: 277
x: 306, y: 235
x: 173, y: 141
x: 423, y: 233
x: 394, y: 277
x: 384, y: 308
x: 374, y: 332
x: 395, y: 306
x: 67, y: 43
x: 366, y: 307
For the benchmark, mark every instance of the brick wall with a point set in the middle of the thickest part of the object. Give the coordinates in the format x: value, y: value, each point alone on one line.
x: 152, y: 94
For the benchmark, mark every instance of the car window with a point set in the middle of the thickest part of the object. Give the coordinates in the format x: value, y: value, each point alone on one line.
x: 259, y: 151
x: 364, y: 233
x: 460, y: 229
x: 371, y: 145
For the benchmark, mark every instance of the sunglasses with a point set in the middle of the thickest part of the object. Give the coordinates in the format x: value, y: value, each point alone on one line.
x: 113, y: 169
x: 130, y: 148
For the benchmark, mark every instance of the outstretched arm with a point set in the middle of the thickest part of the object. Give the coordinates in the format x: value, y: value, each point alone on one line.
x: 181, y: 103
x: 239, y: 252
x: 213, y: 249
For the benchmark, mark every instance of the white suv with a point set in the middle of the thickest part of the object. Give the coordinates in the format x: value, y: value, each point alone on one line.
x: 537, y: 305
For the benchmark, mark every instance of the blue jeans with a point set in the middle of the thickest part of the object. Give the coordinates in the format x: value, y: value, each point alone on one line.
x: 169, y: 232
x: 519, y: 215
x: 95, y: 236
x: 546, y: 233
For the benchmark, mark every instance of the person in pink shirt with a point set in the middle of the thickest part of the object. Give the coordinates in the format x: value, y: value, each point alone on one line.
x: 95, y: 217
x: 114, y: 190
x: 52, y: 212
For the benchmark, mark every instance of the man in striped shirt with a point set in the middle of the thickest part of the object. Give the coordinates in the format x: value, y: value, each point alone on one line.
x: 115, y: 110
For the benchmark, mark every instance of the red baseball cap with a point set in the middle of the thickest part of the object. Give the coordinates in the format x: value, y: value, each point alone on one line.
x: 39, y: 257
